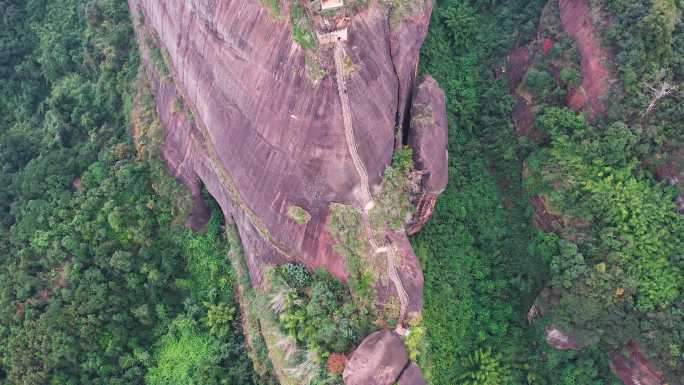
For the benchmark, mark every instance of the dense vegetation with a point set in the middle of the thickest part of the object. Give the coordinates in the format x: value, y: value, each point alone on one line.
x: 614, y: 268
x: 99, y: 282
x: 620, y: 278
x: 317, y: 322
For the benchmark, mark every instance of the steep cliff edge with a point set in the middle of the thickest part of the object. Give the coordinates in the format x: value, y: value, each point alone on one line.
x: 255, y: 112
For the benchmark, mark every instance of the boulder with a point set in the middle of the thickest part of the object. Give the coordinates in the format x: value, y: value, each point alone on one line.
x: 412, y: 376
x: 427, y: 136
x: 379, y: 360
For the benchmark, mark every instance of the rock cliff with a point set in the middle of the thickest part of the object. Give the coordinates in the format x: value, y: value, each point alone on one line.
x: 278, y: 126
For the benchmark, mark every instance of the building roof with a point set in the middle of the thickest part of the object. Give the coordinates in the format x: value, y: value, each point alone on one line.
x: 331, y: 4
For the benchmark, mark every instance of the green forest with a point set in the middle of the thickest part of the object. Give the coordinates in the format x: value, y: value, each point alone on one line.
x: 615, y: 271
x: 101, y: 283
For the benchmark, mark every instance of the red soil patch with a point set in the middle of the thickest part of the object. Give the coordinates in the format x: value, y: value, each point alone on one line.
x: 595, y: 77
x: 519, y: 61
x: 523, y: 119
x: 548, y: 44
x: 543, y: 219
x: 336, y: 363
x: 635, y: 369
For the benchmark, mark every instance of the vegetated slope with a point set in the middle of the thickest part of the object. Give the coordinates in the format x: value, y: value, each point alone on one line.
x: 99, y: 281
x: 613, y: 230
x: 616, y: 273
x: 482, y: 259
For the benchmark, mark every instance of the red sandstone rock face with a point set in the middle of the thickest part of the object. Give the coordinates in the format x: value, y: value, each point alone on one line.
x: 427, y: 137
x: 596, y: 79
x: 242, y: 117
x: 265, y: 136
x: 379, y: 360
x: 410, y: 273
x: 425, y: 206
x: 412, y: 376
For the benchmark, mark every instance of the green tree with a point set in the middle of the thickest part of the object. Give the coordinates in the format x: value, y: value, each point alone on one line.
x: 485, y: 368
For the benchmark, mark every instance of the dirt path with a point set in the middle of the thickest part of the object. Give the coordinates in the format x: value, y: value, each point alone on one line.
x: 348, y: 128
x: 367, y: 203
x: 575, y: 17
x: 393, y: 275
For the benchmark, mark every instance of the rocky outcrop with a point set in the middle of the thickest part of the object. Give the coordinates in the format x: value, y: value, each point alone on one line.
x: 258, y: 120
x: 379, y: 360
x: 427, y: 136
x: 632, y: 366
x: 575, y: 19
x: 265, y: 137
x: 409, y: 272
x: 412, y: 376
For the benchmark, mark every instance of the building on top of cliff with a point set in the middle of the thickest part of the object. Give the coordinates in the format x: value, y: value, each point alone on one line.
x: 332, y: 37
x: 331, y: 4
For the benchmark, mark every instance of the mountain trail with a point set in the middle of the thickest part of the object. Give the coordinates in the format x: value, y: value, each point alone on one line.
x: 367, y: 203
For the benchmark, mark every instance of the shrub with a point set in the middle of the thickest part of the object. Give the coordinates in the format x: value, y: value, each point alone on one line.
x: 299, y: 215
x: 295, y: 275
x: 485, y: 368
x: 273, y: 6
x: 571, y: 77
x: 158, y: 57
x: 187, y: 356
x: 336, y: 363
x: 219, y: 318
x: 540, y: 82
x: 302, y: 31
x: 568, y: 265
x: 392, y: 204
x: 323, y: 317
x: 415, y: 342
x: 554, y: 121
